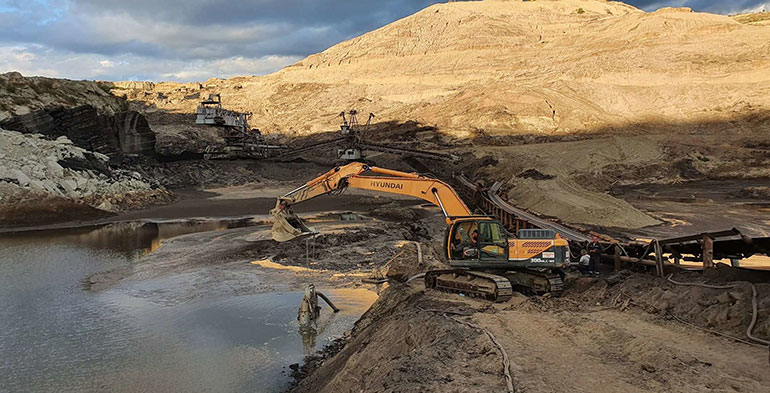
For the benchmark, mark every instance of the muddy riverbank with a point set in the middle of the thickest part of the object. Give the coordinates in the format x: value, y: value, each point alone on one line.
x: 623, y: 328
x: 176, y: 189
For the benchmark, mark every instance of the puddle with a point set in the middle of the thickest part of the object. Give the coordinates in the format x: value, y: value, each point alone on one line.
x: 166, y: 334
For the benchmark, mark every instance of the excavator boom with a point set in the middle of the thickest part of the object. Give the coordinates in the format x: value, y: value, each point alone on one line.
x: 288, y: 226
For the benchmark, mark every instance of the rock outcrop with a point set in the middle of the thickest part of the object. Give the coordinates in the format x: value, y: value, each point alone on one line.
x: 20, y: 95
x: 113, y: 135
x: 133, y: 85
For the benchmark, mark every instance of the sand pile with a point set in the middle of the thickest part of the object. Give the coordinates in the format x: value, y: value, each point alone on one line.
x: 512, y: 67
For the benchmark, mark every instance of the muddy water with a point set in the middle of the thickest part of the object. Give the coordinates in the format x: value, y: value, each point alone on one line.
x: 144, y: 335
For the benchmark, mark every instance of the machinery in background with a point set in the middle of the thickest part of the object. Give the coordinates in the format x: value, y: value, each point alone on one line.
x: 241, y: 141
x: 485, y: 260
x: 351, y: 144
x: 350, y: 151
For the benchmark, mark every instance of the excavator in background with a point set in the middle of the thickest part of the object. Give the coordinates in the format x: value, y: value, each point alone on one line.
x: 485, y: 260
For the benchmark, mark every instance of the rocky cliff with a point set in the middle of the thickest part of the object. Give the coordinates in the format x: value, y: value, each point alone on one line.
x: 114, y: 135
x: 512, y: 67
x: 84, y: 111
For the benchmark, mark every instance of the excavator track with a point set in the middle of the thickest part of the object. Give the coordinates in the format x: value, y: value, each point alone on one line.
x: 535, y: 281
x: 469, y: 282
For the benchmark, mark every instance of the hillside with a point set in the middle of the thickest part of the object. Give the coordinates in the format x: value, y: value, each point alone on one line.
x: 756, y: 18
x: 511, y: 67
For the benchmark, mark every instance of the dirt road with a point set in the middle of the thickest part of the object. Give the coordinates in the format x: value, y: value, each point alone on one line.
x: 612, y: 351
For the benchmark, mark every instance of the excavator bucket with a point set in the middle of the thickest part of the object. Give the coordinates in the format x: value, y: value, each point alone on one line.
x: 286, y: 224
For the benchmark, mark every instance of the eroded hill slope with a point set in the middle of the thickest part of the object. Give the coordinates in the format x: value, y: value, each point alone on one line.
x: 511, y: 67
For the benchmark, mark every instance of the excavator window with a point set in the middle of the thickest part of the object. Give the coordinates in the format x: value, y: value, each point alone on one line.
x: 461, y: 246
x: 493, y: 242
x: 463, y: 231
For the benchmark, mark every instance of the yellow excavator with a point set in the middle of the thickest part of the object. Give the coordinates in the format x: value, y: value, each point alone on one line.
x: 485, y: 260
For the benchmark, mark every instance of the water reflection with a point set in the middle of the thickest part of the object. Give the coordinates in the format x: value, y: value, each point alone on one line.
x: 127, y: 238
x: 309, y: 336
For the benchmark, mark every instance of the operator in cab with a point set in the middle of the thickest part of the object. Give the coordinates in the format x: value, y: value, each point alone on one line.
x: 456, y: 248
x: 473, y: 251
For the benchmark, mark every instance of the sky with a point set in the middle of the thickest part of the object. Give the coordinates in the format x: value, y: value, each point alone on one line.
x: 194, y: 40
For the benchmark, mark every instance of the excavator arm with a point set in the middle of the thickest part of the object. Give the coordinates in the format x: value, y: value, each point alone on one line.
x: 288, y: 226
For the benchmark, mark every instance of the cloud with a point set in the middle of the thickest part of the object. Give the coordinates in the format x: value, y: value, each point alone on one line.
x: 130, y: 67
x: 764, y: 7
x: 223, y: 68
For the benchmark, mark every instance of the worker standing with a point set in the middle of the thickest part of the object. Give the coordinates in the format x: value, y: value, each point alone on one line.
x: 595, y: 254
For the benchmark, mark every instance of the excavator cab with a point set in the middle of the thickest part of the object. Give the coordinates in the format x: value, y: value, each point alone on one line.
x: 476, y: 242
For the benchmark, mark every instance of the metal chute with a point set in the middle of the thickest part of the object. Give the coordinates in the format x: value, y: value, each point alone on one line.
x: 286, y: 224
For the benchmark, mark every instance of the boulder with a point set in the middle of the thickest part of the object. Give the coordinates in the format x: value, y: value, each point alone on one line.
x: 63, y: 140
x: 69, y: 187
x: 21, y: 178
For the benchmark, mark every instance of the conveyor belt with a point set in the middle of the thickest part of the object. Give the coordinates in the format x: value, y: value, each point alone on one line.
x: 411, y: 152
x: 508, y: 213
x: 313, y: 146
x: 562, y: 230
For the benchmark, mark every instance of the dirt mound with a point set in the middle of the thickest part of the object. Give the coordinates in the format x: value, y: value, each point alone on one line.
x: 724, y: 310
